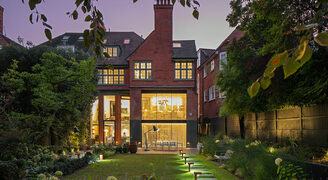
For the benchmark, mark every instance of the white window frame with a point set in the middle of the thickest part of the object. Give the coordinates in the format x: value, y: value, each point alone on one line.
x: 223, y: 60
x: 211, y: 93
x: 212, y: 65
x: 204, y: 72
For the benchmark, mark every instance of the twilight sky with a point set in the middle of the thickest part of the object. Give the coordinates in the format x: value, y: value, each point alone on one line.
x: 120, y: 15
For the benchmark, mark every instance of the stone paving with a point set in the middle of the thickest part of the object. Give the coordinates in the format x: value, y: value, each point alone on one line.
x: 198, y: 167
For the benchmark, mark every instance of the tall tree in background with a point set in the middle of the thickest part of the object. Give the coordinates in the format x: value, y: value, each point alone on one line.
x: 288, y: 30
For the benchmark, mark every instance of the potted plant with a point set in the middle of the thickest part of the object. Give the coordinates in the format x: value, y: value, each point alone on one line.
x: 125, y: 148
x: 133, y: 147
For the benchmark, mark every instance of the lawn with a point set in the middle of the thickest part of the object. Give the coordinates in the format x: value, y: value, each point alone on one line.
x: 132, y: 166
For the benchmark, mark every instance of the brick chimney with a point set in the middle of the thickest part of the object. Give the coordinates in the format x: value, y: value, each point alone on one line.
x: 1, y: 20
x: 163, y: 18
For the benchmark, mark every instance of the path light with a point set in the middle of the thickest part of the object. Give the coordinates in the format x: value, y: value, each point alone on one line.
x: 196, y: 173
x: 186, y: 157
x: 101, y: 157
x: 180, y: 151
x: 189, y: 164
x: 182, y: 154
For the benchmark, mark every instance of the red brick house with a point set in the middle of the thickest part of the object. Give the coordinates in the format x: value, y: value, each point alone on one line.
x: 210, y: 98
x: 152, y: 83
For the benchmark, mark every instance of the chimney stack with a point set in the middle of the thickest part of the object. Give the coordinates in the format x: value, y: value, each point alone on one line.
x: 1, y: 20
x: 163, y: 18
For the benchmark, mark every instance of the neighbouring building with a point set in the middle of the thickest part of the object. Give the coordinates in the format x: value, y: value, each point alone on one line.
x: 146, y: 82
x: 210, y: 98
x: 4, y: 40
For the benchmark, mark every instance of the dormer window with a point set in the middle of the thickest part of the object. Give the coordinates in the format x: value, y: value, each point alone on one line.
x: 65, y: 39
x: 177, y: 45
x: 80, y: 38
x: 126, y: 41
x: 112, y: 51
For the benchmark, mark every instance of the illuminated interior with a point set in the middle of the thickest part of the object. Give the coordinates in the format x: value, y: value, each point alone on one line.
x: 125, y: 119
x: 109, y: 107
x: 94, y: 132
x: 168, y: 132
x: 164, y: 106
x: 109, y: 132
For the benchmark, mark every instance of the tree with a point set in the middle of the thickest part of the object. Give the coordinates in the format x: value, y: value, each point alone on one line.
x: 94, y: 36
x: 287, y: 31
x: 47, y: 100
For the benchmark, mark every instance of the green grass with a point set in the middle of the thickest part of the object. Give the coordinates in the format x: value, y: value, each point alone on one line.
x: 212, y: 167
x: 132, y: 166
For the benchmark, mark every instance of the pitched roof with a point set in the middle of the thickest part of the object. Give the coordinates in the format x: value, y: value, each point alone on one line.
x: 205, y: 54
x: 111, y: 38
x: 72, y: 40
x: 186, y: 51
x: 117, y: 38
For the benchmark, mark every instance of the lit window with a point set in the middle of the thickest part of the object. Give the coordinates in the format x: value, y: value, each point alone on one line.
x: 183, y: 70
x: 164, y: 106
x: 223, y: 60
x: 212, y: 65
x: 112, y: 51
x: 111, y: 77
x: 126, y: 41
x: 143, y: 70
x: 176, y: 45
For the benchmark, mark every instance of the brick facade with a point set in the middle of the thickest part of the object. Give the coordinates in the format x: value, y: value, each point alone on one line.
x: 209, y: 109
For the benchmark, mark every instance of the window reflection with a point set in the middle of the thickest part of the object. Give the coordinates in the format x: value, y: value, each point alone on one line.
x: 109, y: 107
x: 164, y: 106
x: 125, y: 119
x: 94, y: 133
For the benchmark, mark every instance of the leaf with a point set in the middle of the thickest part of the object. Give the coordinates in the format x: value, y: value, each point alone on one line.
x: 300, y: 52
x: 173, y: 2
x: 88, y: 18
x: 44, y: 18
x: 254, y: 89
x: 106, y: 55
x: 183, y: 3
x: 307, y: 55
x: 269, y: 72
x: 135, y: 1
x: 265, y: 82
x: 32, y: 4
x: 290, y: 67
x: 47, y: 25
x: 188, y: 3
x: 31, y: 18
x: 75, y: 15
x: 322, y: 39
x: 47, y: 32
x: 84, y: 9
x: 195, y: 13
x: 196, y: 2
x: 278, y: 59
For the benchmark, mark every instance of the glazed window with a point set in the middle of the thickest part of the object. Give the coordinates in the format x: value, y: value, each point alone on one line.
x: 112, y: 51
x: 183, y: 71
x: 111, y: 76
x: 223, y: 60
x: 143, y: 70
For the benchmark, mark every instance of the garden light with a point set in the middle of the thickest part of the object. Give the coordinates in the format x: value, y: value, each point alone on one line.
x: 189, y: 164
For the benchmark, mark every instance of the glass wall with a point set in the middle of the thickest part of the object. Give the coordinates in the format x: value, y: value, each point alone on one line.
x: 125, y: 119
x: 109, y: 119
x: 109, y: 107
x: 94, y: 132
x: 109, y: 132
x: 164, y: 106
x: 167, y: 133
